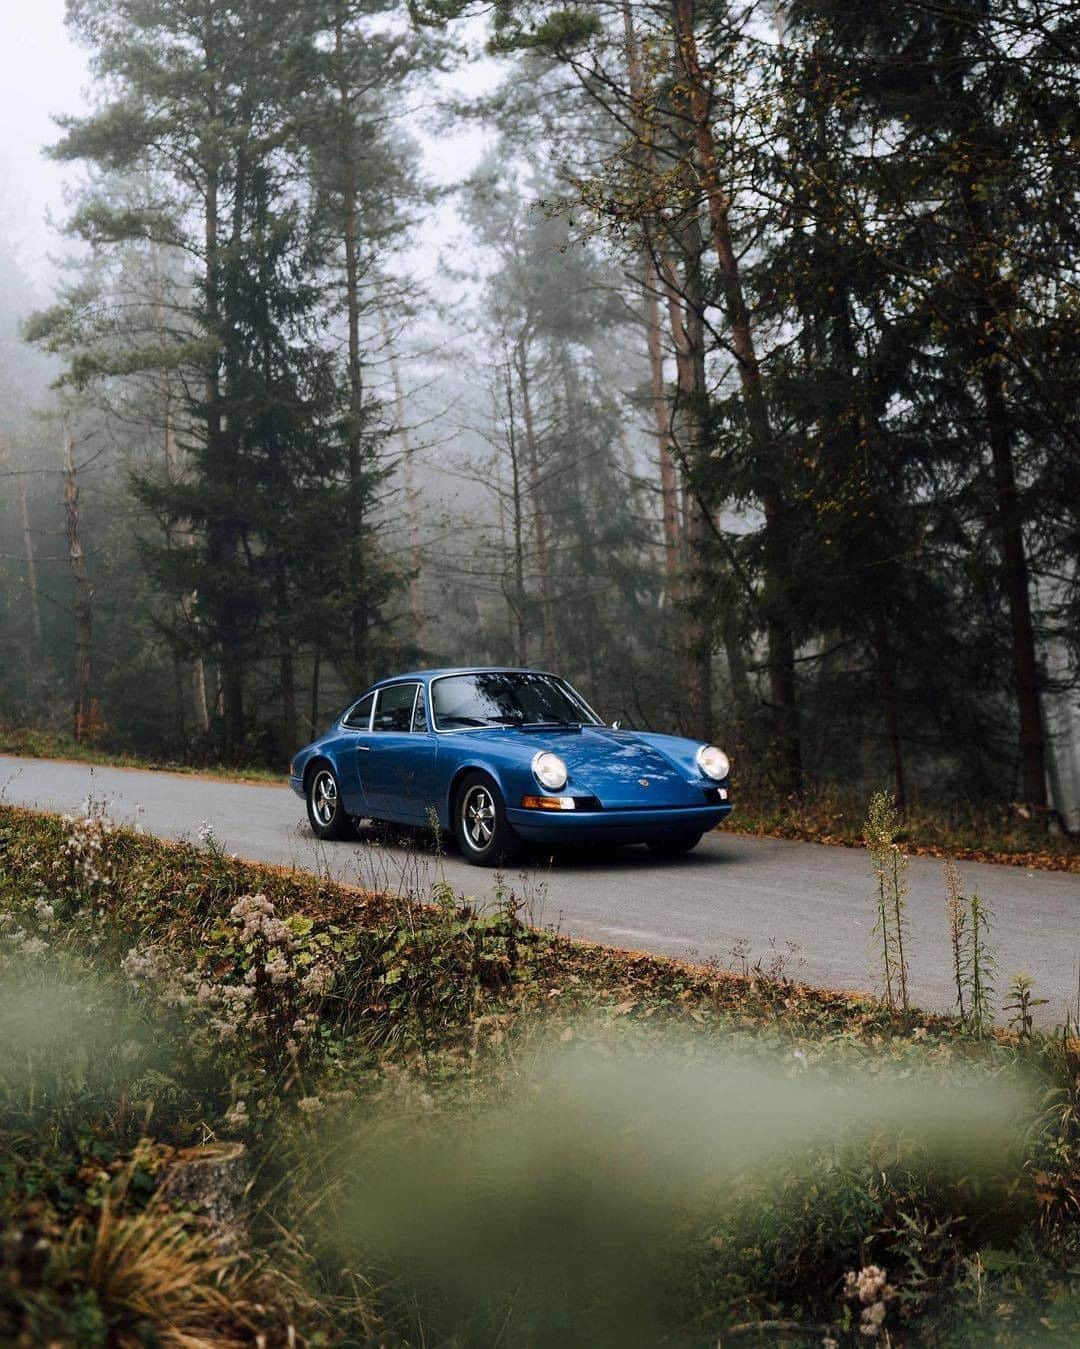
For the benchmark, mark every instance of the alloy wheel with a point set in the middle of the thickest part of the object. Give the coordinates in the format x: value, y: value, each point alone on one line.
x: 324, y: 798
x: 478, y: 817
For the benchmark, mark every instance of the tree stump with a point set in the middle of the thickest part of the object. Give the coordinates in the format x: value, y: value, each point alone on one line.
x: 210, y: 1182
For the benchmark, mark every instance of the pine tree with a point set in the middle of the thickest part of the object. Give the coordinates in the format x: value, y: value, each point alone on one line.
x: 213, y: 103
x: 974, y: 100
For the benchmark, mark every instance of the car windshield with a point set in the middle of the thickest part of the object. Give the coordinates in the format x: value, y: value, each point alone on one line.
x: 505, y: 698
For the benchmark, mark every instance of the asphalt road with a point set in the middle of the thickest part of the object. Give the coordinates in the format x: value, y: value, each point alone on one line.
x: 733, y: 899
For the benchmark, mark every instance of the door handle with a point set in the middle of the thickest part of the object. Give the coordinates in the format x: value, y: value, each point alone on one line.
x: 365, y: 748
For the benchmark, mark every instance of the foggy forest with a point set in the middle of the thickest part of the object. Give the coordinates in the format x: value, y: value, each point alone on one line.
x: 734, y: 378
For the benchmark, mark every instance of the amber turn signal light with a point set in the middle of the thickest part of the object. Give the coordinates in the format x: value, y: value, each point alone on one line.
x: 548, y: 802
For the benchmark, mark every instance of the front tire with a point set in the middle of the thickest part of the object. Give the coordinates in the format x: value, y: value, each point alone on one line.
x: 480, y: 826
x: 673, y: 845
x: 325, y: 809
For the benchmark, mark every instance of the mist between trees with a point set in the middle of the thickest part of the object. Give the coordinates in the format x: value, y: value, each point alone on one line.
x: 743, y: 392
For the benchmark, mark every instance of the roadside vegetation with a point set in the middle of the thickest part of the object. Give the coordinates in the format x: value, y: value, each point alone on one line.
x: 963, y: 829
x: 39, y: 743
x: 237, y: 1104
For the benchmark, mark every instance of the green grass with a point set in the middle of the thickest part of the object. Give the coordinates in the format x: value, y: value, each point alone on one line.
x: 35, y: 743
x: 461, y: 1130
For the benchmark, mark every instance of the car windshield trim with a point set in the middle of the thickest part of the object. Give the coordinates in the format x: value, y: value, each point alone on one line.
x: 504, y: 722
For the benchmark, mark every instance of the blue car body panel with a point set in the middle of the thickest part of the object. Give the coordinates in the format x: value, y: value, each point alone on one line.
x: 628, y: 786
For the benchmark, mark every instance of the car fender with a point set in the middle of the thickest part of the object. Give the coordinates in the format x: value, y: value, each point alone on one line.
x: 507, y: 768
x: 338, y: 748
x: 470, y: 764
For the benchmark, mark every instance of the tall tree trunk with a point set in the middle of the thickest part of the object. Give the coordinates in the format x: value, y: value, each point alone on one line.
x: 769, y: 468
x: 575, y: 489
x: 885, y: 653
x: 690, y: 397
x: 650, y: 283
x: 688, y: 335
x: 539, y: 517
x: 180, y: 536
x: 198, y: 695
x: 172, y: 535
x: 519, y: 604
x: 84, y: 718
x: 221, y: 542
x: 286, y: 664
x: 180, y: 696
x: 701, y: 635
x: 684, y: 541
x: 669, y: 492
x: 313, y: 719
x: 992, y: 304
x: 412, y: 517
x: 31, y: 570
x: 232, y: 674
x: 1014, y: 556
x: 848, y: 439
x: 731, y: 633
x: 360, y: 616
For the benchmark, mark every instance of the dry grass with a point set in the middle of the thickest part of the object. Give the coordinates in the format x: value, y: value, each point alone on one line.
x: 834, y: 815
x: 154, y: 1272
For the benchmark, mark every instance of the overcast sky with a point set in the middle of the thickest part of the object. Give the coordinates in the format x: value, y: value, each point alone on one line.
x: 43, y: 73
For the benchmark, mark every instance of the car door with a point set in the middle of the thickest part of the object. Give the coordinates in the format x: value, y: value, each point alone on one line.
x: 355, y: 736
x: 397, y: 763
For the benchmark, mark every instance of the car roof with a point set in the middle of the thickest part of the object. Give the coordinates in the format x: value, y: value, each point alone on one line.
x: 425, y: 676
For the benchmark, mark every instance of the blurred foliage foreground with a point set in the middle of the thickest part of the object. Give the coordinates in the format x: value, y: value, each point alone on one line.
x: 241, y: 1107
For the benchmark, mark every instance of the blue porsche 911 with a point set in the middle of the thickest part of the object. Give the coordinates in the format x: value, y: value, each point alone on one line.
x: 505, y: 756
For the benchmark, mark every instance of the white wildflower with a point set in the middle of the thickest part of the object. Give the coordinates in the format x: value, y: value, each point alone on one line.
x: 257, y: 919
x: 871, y: 1287
x: 318, y: 980
x: 237, y: 1115
x: 276, y: 968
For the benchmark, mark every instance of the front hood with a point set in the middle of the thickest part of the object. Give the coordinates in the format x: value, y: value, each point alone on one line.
x: 624, y: 769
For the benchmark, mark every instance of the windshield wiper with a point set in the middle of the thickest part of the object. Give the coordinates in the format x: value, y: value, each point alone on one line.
x: 518, y: 720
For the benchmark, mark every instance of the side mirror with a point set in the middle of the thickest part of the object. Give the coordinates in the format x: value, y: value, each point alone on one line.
x: 616, y: 725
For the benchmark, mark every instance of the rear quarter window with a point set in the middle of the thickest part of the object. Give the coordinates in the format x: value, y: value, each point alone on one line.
x: 358, y: 716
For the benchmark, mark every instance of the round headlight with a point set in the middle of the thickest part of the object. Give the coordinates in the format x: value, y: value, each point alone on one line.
x: 549, y: 770
x: 713, y: 762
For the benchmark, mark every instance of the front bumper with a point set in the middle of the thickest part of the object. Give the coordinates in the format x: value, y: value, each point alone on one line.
x: 297, y: 784
x: 613, y: 826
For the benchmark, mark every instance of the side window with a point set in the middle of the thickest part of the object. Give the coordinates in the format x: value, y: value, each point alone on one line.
x: 419, y: 721
x: 394, y: 708
x: 359, y: 715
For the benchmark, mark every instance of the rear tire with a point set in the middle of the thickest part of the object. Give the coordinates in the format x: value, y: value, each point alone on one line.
x: 325, y: 809
x: 480, y: 827
x: 674, y: 845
